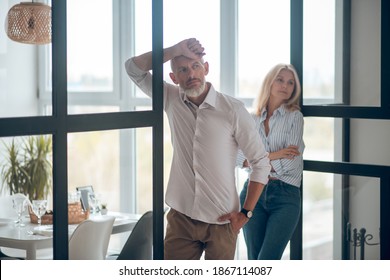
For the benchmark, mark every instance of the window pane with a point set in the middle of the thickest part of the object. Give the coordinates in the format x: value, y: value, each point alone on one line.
x: 178, y: 27
x: 18, y: 74
x: 375, y: 134
x: 264, y: 40
x: 366, y: 53
x: 143, y: 32
x: 18, y: 96
x: 364, y: 221
x: 90, y: 50
x: 118, y: 165
x: 92, y: 109
x: 241, y: 249
x: 144, y: 158
x: 318, y: 136
x: 323, y: 216
x: 144, y: 170
x: 93, y: 160
x: 205, y: 27
x: 319, y: 52
x: 317, y: 216
x: 30, y: 172
x: 23, y: 160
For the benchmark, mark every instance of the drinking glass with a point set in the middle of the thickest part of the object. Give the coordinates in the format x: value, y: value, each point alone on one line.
x: 19, y: 203
x: 39, y: 209
x: 74, y: 197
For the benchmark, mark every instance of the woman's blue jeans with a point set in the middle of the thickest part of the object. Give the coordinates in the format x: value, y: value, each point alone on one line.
x: 274, y: 220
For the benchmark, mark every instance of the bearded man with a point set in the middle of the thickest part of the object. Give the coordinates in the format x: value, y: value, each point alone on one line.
x: 208, y: 128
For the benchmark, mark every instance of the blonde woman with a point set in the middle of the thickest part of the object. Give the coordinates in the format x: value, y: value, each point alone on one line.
x: 280, y: 125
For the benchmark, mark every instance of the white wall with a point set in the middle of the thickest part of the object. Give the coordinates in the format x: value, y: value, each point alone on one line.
x: 18, y: 73
x: 18, y: 76
x: 369, y: 138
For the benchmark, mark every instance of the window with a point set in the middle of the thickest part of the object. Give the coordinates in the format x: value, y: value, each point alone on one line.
x: 318, y: 216
x: 90, y: 46
x: 319, y: 53
x: 263, y: 41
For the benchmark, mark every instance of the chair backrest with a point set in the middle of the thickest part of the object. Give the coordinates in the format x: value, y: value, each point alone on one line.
x: 90, y: 239
x: 139, y: 245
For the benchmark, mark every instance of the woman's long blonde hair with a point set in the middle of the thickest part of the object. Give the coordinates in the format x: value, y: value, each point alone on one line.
x: 262, y: 99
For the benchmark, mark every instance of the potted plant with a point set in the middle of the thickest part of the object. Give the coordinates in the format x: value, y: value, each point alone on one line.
x: 104, y: 209
x: 27, y: 168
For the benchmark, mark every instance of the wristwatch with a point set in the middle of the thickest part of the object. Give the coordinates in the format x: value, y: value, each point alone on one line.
x: 247, y: 213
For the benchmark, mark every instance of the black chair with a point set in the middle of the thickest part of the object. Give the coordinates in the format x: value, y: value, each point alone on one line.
x: 139, y: 245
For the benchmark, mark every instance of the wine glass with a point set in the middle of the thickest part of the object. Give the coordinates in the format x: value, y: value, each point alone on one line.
x: 19, y: 203
x: 39, y: 209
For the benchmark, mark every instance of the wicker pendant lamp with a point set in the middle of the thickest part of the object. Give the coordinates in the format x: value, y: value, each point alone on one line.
x: 29, y: 23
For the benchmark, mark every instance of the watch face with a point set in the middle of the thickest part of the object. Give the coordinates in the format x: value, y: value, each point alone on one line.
x: 247, y: 213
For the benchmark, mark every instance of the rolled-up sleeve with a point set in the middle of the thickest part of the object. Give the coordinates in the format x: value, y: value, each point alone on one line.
x: 143, y: 79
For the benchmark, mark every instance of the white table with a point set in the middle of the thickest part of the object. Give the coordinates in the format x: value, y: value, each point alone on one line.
x: 15, y: 237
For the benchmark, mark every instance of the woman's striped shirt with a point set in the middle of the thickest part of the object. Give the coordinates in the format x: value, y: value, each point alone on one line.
x: 285, y: 129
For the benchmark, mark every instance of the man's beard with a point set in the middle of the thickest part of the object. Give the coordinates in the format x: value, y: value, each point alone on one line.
x: 195, y: 92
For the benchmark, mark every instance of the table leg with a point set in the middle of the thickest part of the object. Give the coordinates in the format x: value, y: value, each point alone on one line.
x: 31, y: 252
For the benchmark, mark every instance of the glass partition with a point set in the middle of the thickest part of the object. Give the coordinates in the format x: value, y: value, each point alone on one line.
x: 366, y: 53
x: 90, y: 45
x: 324, y: 221
x: 144, y: 178
x: 25, y: 168
x: 319, y: 52
x: 336, y: 42
x: 263, y: 41
x: 92, y: 56
x: 369, y: 134
x: 319, y: 135
x: 93, y: 160
x: 363, y: 226
x: 317, y: 213
x: 241, y: 249
x: 205, y: 27
x: 118, y: 165
x: 19, y: 74
x: 96, y: 73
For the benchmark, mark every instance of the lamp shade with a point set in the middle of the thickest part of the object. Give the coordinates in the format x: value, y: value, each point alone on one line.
x: 29, y: 23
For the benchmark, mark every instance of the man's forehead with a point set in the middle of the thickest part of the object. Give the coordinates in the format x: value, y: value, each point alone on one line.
x: 185, y: 60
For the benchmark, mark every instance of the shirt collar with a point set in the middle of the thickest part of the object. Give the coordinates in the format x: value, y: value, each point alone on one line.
x: 211, y: 97
x: 281, y: 110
